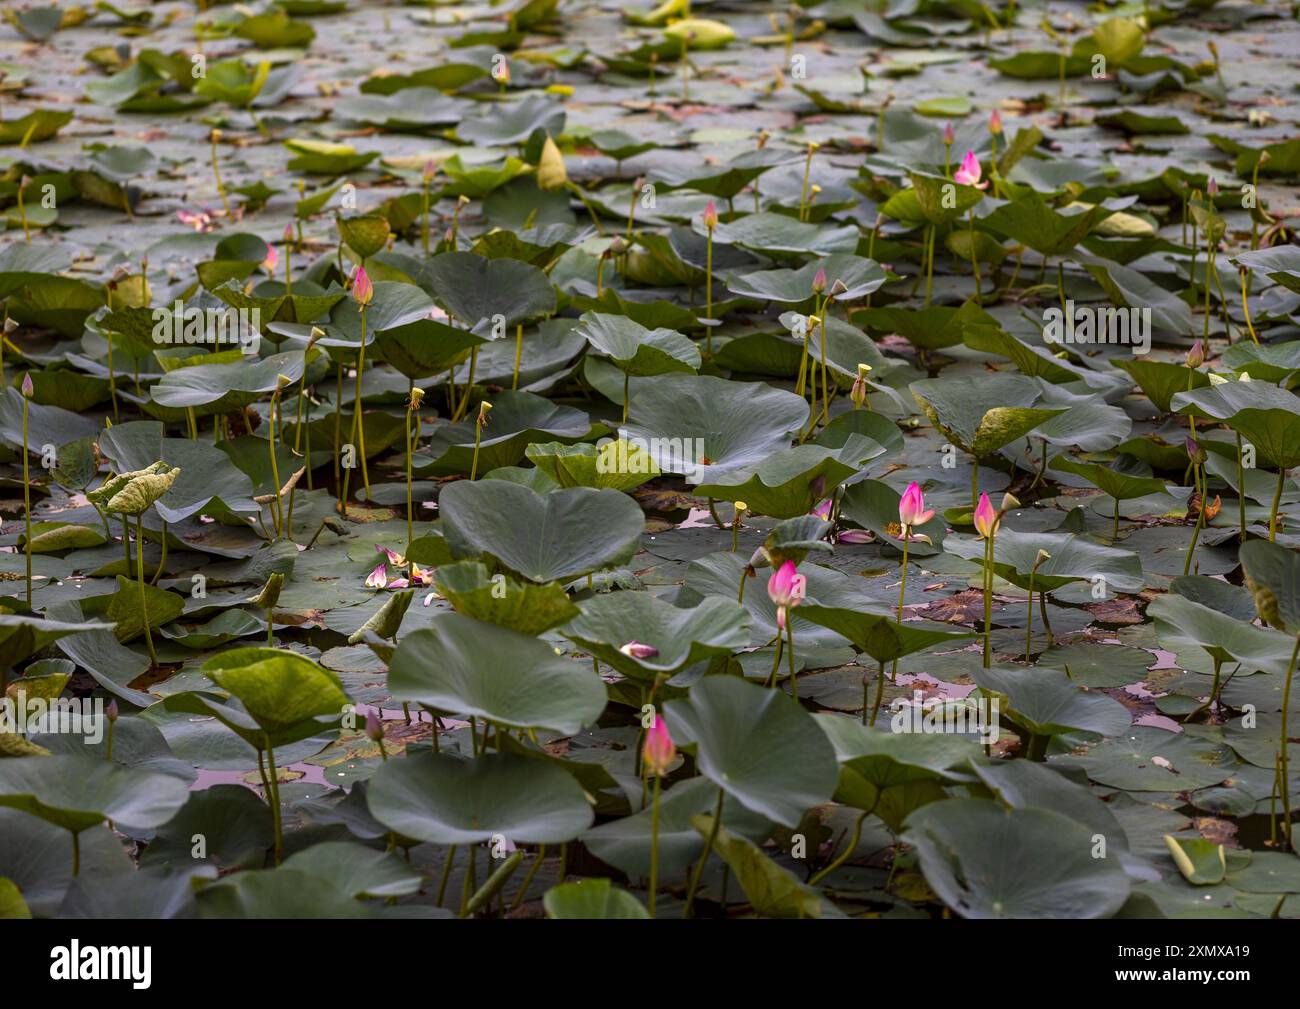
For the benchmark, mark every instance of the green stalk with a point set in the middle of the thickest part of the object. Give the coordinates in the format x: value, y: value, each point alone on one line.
x: 654, y: 846
x: 356, y: 408
x: 974, y: 260
x: 27, y: 503
x: 988, y: 599
x: 519, y: 353
x: 276, y: 518
x: 1277, y: 501
x: 902, y: 589
x: 708, y: 294
x: 1198, y: 479
x: 1029, y: 623
x: 789, y: 632
x: 704, y: 857
x: 1286, y: 707
x: 139, y: 565
x: 410, y: 409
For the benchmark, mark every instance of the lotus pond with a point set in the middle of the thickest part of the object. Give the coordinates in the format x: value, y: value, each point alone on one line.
x: 545, y: 458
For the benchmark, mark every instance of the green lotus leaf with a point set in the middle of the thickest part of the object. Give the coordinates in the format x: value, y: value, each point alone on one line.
x: 489, y: 671
x: 525, y: 607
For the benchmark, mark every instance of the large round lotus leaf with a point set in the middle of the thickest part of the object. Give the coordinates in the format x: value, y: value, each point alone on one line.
x: 885, y: 758
x: 476, y: 290
x: 206, y: 474
x: 1073, y: 558
x: 517, y: 420
x: 792, y: 287
x: 625, y: 843
x: 22, y: 636
x: 793, y: 481
x: 1147, y: 759
x: 1263, y: 414
x: 219, y: 388
x: 466, y: 667
x: 425, y: 347
x: 279, y: 689
x: 1272, y: 574
x: 609, y: 621
x: 779, y: 235
x: 441, y: 799
x: 521, y: 606
x: 987, y: 862
x: 757, y: 746
x: 365, y: 234
x: 877, y: 632
x: 589, y: 899
x: 37, y: 856
x: 76, y: 793
x: 502, y: 124
x: 1181, y: 624
x: 558, y: 536
x: 931, y: 328
x: 980, y: 417
x: 1045, y: 702
x: 1032, y: 221
x: 1091, y: 664
x: 286, y: 892
x: 692, y: 423
x: 356, y: 870
x: 1111, y: 478
x: 235, y: 824
x: 635, y: 349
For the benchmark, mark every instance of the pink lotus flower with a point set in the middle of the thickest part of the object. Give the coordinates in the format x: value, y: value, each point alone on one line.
x: 29, y: 390
x: 995, y: 122
x: 819, y: 281
x: 394, y: 558
x: 710, y: 216
x: 969, y: 172
x: 378, y: 578
x: 786, y: 588
x: 1196, y: 356
x: 272, y: 258
x: 986, y: 519
x: 949, y: 135
x: 823, y: 510
x: 201, y: 220
x: 911, y: 508
x: 637, y: 650
x: 374, y: 727
x: 659, y: 751
x: 362, y: 289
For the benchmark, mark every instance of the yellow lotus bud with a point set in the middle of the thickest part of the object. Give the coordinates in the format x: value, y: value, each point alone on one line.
x: 550, y: 168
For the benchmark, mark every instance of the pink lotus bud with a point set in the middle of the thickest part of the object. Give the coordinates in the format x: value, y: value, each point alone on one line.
x: 1195, y: 451
x: 29, y: 390
x: 659, y: 751
x: 430, y: 170
x: 949, y: 135
x: 911, y: 508
x: 272, y: 258
x: 1212, y: 189
x: 710, y: 216
x: 288, y: 233
x: 374, y: 727
x: 1196, y: 356
x: 786, y: 586
x: 986, y: 519
x: 362, y: 289
x: 111, y: 712
x: 636, y: 650
x: 819, y: 281
x: 969, y: 173
x: 995, y: 123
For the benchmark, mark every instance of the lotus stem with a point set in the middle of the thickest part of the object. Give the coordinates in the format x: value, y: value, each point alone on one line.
x: 27, y: 502
x: 902, y: 589
x: 469, y: 386
x: 880, y: 693
x: 528, y: 880
x: 789, y: 632
x: 1029, y: 621
x: 929, y: 264
x: 338, y: 447
x: 357, y: 421
x: 974, y: 259
x: 708, y: 293
x: 144, y: 605
x: 1284, y: 737
x: 276, y: 518
x: 519, y: 353
x: 1277, y: 501
x: 807, y: 177
x: 162, y: 562
x: 988, y: 600
x: 412, y: 409
x: 493, y: 884
x: 704, y: 857
x: 216, y: 173
x: 112, y: 379
x: 825, y: 395
x: 1114, y: 530
x: 1245, y: 305
x: 22, y: 212
x: 446, y: 874
x: 776, y: 660
x: 1042, y: 612
x: 1198, y: 478
x: 654, y: 846
x: 843, y: 856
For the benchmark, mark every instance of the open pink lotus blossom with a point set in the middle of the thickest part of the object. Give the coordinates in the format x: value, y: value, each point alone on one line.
x: 823, y: 510
x: 986, y: 519
x: 969, y: 173
x: 272, y: 258
x: 659, y: 751
x: 911, y: 508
